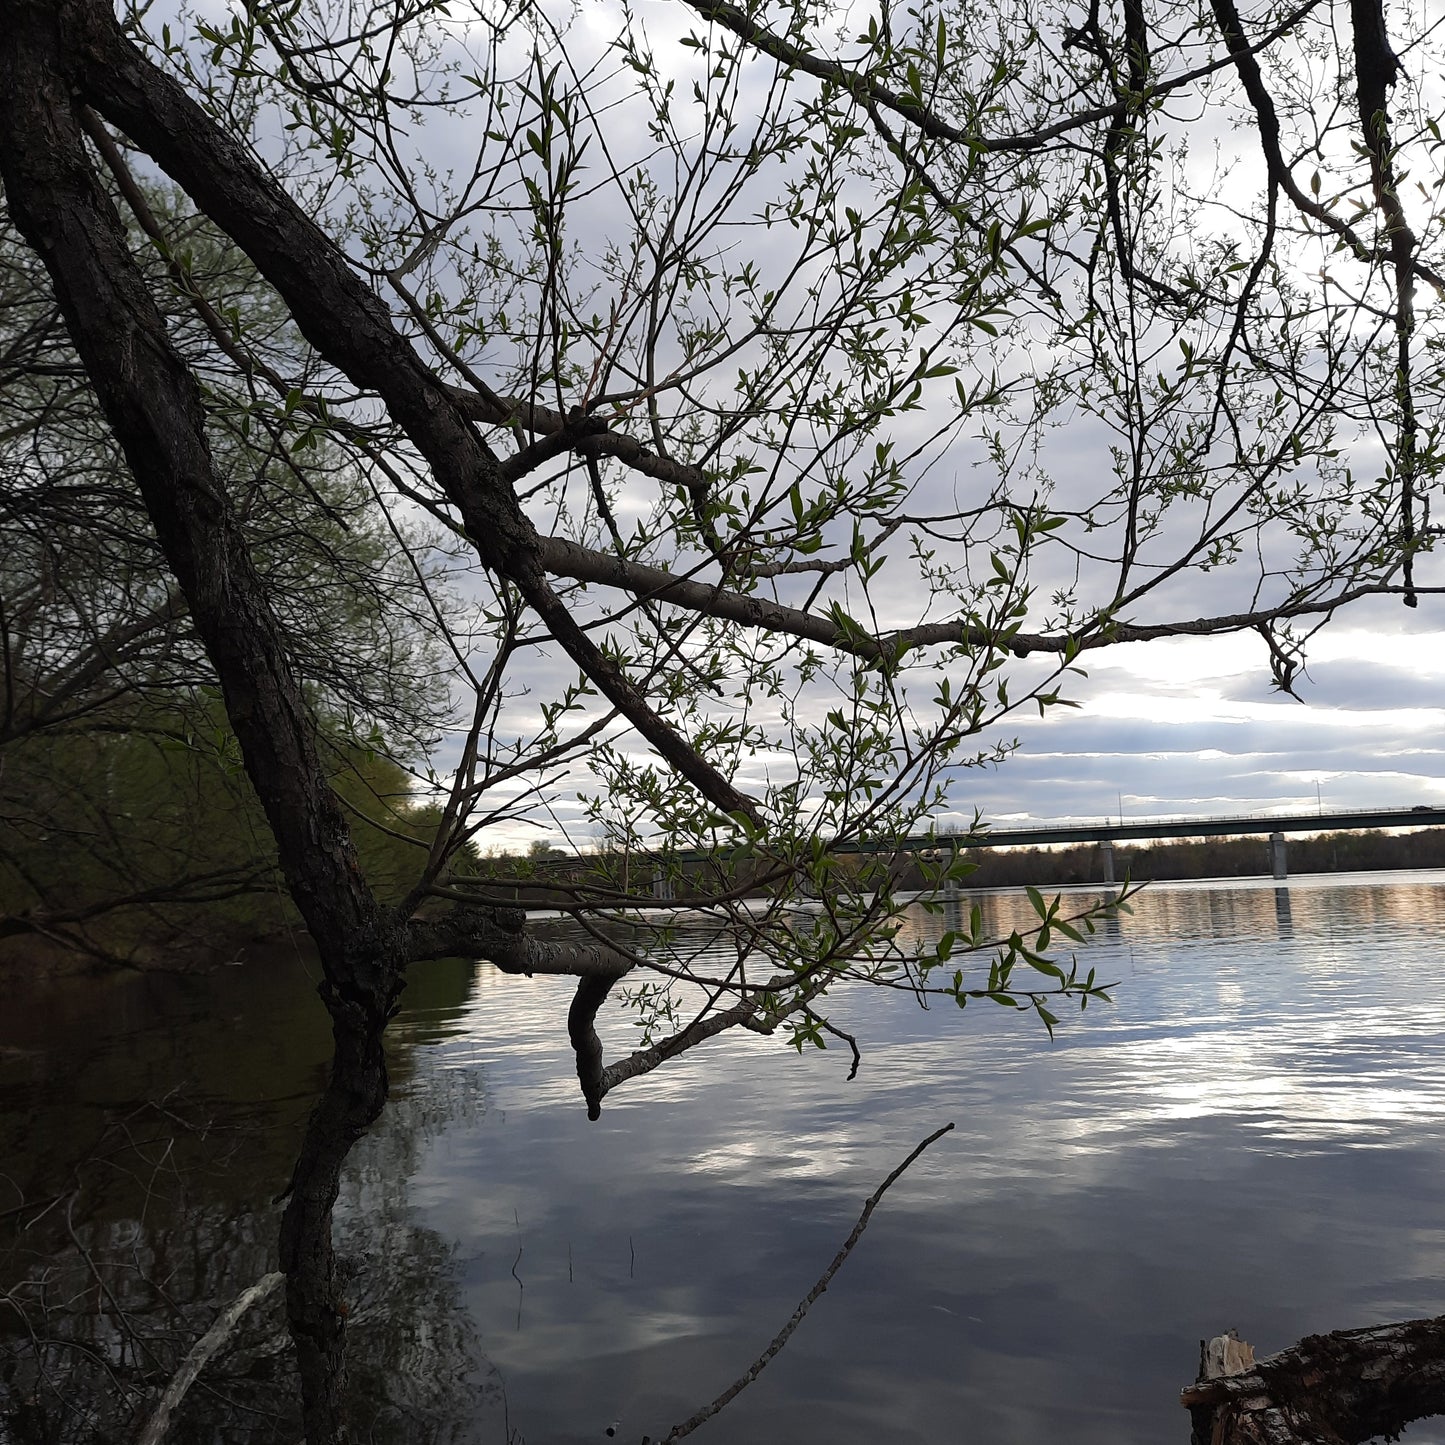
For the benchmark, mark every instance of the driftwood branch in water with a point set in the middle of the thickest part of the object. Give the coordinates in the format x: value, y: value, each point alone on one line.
x: 199, y: 1356
x: 1337, y: 1389
x: 781, y: 1338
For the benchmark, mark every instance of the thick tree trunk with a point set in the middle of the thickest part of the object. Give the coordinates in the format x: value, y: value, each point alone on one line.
x: 153, y: 405
x: 316, y: 1313
x: 1337, y: 1389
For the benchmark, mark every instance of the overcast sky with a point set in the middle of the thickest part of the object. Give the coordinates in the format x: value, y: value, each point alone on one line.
x: 1167, y: 729
x: 1194, y: 729
x: 1182, y: 728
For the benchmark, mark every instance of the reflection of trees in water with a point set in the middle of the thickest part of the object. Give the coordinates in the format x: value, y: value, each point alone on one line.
x: 416, y: 1364
x: 110, y: 1281
x: 1165, y: 915
x: 106, y: 1284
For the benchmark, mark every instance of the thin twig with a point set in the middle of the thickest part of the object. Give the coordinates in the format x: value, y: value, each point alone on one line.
x: 847, y: 1038
x: 781, y: 1338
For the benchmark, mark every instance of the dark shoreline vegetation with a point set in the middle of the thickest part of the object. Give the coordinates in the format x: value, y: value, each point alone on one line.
x: 147, y: 849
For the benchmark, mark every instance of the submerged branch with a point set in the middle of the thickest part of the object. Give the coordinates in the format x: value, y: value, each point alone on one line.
x: 582, y: 1031
x: 781, y: 1338
x: 199, y: 1356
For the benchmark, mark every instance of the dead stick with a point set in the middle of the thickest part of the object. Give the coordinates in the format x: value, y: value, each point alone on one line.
x: 199, y: 1356
x: 781, y: 1338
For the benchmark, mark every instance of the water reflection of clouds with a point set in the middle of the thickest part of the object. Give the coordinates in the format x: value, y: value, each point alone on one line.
x: 1251, y: 1135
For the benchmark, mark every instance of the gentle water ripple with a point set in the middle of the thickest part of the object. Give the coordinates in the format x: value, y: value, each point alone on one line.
x: 1252, y: 1135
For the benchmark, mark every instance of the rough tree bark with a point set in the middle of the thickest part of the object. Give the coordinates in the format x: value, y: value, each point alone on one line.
x: 55, y: 58
x: 153, y: 405
x: 1341, y: 1388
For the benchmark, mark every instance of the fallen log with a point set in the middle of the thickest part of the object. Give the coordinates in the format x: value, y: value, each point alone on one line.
x: 1341, y: 1388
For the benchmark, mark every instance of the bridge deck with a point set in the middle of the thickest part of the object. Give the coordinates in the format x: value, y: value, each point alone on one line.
x: 1116, y: 832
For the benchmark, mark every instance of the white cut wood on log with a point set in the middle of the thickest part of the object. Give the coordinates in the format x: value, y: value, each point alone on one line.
x: 1227, y: 1354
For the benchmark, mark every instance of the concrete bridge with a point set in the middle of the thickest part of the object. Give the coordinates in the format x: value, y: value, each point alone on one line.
x: 1276, y: 825
x: 663, y: 878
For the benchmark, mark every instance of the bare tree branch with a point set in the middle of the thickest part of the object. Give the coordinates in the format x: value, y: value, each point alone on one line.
x: 498, y: 935
x: 863, y: 85
x: 569, y: 559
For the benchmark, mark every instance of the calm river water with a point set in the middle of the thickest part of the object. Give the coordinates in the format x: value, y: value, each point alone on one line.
x: 1252, y: 1135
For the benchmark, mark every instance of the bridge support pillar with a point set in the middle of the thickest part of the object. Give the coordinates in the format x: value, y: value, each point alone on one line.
x: 1106, y: 858
x: 662, y: 887
x: 1278, y: 864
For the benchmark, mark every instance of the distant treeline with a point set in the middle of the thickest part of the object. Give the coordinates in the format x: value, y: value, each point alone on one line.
x: 1351, y: 852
